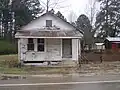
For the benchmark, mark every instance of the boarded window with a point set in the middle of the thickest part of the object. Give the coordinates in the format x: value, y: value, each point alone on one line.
x: 30, y: 45
x: 40, y: 44
x: 48, y: 23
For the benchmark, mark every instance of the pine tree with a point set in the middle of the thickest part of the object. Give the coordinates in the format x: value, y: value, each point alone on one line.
x: 26, y: 10
x: 83, y: 23
x: 5, y: 17
x: 108, y: 19
x: 17, y: 13
x: 59, y: 14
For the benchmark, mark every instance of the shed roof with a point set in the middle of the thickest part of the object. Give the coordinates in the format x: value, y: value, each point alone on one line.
x: 99, y: 44
x: 113, y: 39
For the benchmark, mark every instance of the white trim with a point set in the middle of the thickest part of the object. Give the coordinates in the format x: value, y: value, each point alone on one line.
x: 35, y: 43
x: 61, y: 47
x: 19, y: 49
x: 45, y: 37
x: 75, y: 49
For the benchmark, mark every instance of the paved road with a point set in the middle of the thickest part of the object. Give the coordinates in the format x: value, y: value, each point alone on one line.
x: 63, y: 83
x: 105, y: 86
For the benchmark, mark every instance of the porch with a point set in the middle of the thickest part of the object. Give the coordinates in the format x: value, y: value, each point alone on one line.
x: 54, y: 50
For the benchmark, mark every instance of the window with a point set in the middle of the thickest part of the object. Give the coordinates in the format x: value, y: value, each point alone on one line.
x: 40, y: 44
x: 48, y: 23
x: 30, y: 45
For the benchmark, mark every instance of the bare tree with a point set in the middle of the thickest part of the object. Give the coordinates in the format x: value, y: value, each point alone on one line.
x: 53, y: 4
x: 91, y: 10
x: 72, y: 17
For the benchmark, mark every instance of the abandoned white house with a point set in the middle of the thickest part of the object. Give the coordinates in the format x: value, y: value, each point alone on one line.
x: 49, y: 38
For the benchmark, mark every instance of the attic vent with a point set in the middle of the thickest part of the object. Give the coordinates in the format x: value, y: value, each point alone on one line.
x: 48, y: 23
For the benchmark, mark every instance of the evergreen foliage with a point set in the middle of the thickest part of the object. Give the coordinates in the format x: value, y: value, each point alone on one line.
x: 108, y: 19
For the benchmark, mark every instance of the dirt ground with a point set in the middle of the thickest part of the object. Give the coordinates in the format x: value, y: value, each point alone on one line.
x: 92, y: 63
x: 109, y: 65
x: 111, y: 68
x: 96, y: 57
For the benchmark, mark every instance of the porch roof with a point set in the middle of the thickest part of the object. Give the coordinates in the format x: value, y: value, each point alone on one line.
x: 48, y: 34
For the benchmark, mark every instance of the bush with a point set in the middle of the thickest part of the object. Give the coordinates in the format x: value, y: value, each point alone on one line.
x: 7, y: 48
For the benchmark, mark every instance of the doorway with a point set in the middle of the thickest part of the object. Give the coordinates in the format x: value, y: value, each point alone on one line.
x: 66, y: 48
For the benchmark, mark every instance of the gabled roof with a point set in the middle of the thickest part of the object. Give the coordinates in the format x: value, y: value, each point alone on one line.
x: 54, y: 15
x: 51, y: 31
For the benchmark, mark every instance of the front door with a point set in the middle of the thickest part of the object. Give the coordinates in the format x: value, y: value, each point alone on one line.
x: 67, y: 48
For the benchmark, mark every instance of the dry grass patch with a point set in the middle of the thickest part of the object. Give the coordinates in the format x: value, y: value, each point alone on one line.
x: 8, y: 65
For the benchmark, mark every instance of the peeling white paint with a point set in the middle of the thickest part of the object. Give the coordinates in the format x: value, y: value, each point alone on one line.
x: 41, y: 23
x: 53, y: 51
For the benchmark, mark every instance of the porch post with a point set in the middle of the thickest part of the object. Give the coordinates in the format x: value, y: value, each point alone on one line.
x: 35, y: 44
x: 75, y: 49
x: 19, y: 49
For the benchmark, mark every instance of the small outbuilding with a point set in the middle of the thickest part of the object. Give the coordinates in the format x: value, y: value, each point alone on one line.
x: 99, y: 46
x: 112, y: 43
x: 48, y: 39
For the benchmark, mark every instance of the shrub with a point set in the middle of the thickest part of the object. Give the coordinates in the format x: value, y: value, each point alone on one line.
x: 7, y: 48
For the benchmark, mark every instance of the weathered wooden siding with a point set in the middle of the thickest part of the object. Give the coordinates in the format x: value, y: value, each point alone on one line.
x: 22, y: 45
x: 53, y: 50
x: 41, y: 23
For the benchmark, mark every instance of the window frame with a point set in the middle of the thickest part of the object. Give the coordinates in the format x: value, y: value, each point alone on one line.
x: 48, y: 24
x: 41, y: 44
x: 30, y: 43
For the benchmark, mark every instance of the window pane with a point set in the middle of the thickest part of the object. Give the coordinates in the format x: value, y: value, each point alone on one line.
x: 30, y: 46
x: 48, y: 23
x: 41, y: 41
x: 30, y: 40
x: 40, y: 47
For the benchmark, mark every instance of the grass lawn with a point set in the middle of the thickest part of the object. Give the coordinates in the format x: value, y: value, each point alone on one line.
x: 7, y: 63
x: 8, y: 66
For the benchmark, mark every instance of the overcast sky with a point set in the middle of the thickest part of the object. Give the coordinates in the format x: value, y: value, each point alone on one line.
x: 76, y: 7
